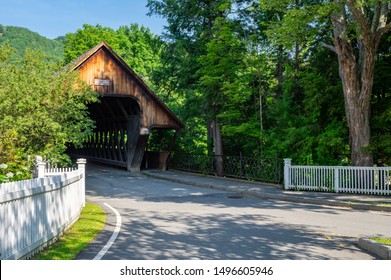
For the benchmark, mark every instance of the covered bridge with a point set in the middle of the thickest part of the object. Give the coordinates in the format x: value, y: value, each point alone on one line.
x: 127, y: 112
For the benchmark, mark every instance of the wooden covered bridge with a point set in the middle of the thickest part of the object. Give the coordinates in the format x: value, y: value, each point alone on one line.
x: 127, y: 112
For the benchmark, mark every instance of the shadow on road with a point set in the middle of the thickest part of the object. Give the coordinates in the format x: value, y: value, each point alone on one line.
x: 154, y: 235
x: 165, y: 220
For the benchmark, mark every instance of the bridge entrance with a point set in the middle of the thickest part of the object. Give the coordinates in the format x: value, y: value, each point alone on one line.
x: 127, y: 112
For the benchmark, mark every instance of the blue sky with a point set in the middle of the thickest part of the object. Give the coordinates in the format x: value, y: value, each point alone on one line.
x: 53, y: 18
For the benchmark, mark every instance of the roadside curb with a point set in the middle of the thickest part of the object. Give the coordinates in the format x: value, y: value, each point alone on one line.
x: 380, y: 250
x: 282, y: 197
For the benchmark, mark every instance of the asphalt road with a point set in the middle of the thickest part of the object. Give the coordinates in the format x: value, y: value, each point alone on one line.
x: 164, y: 220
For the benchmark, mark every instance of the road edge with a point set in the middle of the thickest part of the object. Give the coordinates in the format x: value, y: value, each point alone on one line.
x: 376, y: 248
x: 283, y: 197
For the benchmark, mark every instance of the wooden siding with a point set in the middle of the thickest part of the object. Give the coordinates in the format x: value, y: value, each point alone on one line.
x: 103, y: 66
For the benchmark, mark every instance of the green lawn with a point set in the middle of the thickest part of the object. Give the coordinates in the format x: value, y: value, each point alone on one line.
x: 386, y: 241
x: 75, y: 239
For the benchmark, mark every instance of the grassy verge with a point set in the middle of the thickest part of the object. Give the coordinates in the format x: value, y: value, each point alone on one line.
x: 75, y: 239
x: 385, y: 241
x: 371, y: 203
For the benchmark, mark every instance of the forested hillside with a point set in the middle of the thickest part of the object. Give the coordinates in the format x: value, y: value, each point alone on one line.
x: 22, y: 38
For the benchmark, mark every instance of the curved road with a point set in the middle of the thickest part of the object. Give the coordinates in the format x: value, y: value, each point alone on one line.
x: 165, y: 220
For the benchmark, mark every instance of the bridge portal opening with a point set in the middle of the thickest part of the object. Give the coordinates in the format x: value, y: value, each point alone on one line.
x: 158, y: 150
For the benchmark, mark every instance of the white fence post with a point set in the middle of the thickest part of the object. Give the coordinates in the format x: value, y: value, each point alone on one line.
x: 336, y: 179
x: 81, y: 166
x: 40, y: 165
x: 287, y: 177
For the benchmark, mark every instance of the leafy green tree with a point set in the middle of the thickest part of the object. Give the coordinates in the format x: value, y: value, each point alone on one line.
x: 140, y: 49
x: 277, y: 94
x: 381, y: 104
x: 75, y: 44
x: 226, y: 78
x: 190, y: 28
x: 357, y: 28
x: 42, y: 109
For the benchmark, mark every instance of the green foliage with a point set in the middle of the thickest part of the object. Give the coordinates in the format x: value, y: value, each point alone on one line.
x: 299, y: 22
x: 75, y: 44
x: 22, y: 39
x: 13, y: 171
x: 220, y: 66
x: 258, y: 67
x: 225, y: 67
x: 140, y: 49
x: 381, y: 104
x: 42, y: 109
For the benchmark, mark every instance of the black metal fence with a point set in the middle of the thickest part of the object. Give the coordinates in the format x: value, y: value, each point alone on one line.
x: 258, y: 169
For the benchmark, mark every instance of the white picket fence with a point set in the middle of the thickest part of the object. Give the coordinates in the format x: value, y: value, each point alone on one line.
x: 339, y: 179
x: 34, y: 213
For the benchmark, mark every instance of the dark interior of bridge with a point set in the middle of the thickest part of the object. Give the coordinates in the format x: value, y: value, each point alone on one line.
x: 117, y: 139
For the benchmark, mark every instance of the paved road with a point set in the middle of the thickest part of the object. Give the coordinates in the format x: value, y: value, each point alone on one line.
x: 166, y: 220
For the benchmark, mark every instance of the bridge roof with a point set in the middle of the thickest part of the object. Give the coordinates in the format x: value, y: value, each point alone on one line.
x: 108, y: 74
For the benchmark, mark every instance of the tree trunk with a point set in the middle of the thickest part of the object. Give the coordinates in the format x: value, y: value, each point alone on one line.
x: 357, y: 80
x: 357, y: 64
x: 280, y: 70
x: 217, y: 147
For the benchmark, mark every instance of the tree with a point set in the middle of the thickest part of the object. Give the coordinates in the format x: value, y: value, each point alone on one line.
x: 42, y: 109
x: 357, y: 59
x: 75, y: 44
x: 140, y: 49
x: 381, y: 104
x: 190, y: 28
x: 219, y: 75
x: 357, y: 28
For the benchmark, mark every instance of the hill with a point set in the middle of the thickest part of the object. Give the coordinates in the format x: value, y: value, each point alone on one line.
x: 22, y: 38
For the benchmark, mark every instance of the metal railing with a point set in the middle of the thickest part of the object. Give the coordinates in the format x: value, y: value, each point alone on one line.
x: 258, y: 169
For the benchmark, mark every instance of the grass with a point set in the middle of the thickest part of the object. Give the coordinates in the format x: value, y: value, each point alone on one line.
x: 91, y: 222
x: 385, y: 241
x: 372, y: 203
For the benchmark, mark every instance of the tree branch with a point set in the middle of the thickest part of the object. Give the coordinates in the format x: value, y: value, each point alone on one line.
x: 360, y: 18
x: 330, y: 47
x: 376, y: 18
x: 382, y: 31
x: 339, y: 20
x: 383, y: 27
x: 384, y: 11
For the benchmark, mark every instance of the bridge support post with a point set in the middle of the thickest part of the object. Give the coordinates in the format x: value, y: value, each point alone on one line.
x: 133, y: 135
x: 140, y: 149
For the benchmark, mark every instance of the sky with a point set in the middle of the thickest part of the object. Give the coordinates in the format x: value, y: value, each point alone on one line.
x: 53, y: 18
